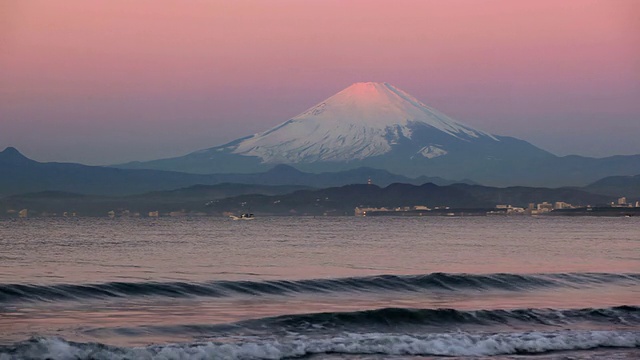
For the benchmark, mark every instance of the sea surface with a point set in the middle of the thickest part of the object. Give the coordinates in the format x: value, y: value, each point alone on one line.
x: 315, y: 288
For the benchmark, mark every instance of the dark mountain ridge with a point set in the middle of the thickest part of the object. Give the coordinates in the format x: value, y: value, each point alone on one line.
x: 19, y: 174
x: 628, y: 186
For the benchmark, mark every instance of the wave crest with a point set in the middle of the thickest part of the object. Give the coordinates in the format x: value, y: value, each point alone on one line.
x: 387, y: 283
x: 397, y: 317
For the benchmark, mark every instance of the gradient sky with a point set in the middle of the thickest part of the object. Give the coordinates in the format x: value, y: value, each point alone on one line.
x: 102, y: 82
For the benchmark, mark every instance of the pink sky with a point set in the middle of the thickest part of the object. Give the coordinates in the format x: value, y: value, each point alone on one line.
x: 111, y: 81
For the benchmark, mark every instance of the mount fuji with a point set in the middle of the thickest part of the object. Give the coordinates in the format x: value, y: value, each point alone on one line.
x: 377, y: 125
x: 362, y: 121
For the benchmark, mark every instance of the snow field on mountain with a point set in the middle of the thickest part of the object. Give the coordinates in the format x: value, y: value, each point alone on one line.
x: 361, y: 121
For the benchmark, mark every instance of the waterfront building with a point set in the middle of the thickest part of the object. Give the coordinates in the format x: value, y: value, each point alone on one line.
x: 562, y: 205
x: 544, y: 207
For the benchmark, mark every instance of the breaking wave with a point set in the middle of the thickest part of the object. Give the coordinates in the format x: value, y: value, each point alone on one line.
x: 436, y: 344
x: 409, y: 283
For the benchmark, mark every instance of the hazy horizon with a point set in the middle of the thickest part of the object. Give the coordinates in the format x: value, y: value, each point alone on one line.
x: 108, y: 82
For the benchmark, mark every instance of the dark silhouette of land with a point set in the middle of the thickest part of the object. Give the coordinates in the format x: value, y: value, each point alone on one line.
x: 61, y: 189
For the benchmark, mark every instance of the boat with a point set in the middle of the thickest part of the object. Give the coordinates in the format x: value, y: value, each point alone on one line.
x: 245, y: 216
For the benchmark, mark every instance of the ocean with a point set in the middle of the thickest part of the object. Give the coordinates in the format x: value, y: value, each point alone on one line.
x: 320, y: 288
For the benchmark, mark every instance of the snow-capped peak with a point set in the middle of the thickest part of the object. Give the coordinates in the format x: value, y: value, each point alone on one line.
x: 382, y: 105
x: 365, y: 119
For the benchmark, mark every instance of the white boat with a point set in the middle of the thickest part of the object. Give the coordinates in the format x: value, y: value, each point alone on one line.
x: 246, y: 216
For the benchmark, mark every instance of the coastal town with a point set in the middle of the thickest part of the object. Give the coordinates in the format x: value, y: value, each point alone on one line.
x: 620, y: 207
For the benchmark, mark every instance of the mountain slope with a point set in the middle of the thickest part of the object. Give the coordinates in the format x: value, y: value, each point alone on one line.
x: 22, y: 175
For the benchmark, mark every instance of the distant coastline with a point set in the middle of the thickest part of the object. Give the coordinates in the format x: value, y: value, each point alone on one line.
x: 582, y: 211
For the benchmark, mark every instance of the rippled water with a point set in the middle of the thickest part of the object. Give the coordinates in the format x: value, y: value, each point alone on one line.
x: 542, y: 287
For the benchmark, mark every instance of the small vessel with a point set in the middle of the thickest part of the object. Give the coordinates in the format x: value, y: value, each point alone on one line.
x: 245, y: 216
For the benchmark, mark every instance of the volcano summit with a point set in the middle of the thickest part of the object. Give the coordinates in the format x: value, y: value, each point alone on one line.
x: 362, y: 121
x: 380, y: 126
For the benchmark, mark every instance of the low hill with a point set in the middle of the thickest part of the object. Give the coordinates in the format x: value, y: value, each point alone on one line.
x: 190, y: 199
x: 285, y: 200
x: 343, y: 200
x: 618, y: 186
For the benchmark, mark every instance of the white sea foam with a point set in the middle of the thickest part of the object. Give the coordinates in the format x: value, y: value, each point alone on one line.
x: 444, y: 344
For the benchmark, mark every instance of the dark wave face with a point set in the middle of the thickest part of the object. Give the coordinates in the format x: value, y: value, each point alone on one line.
x: 402, y: 320
x: 389, y: 283
x: 445, y: 318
